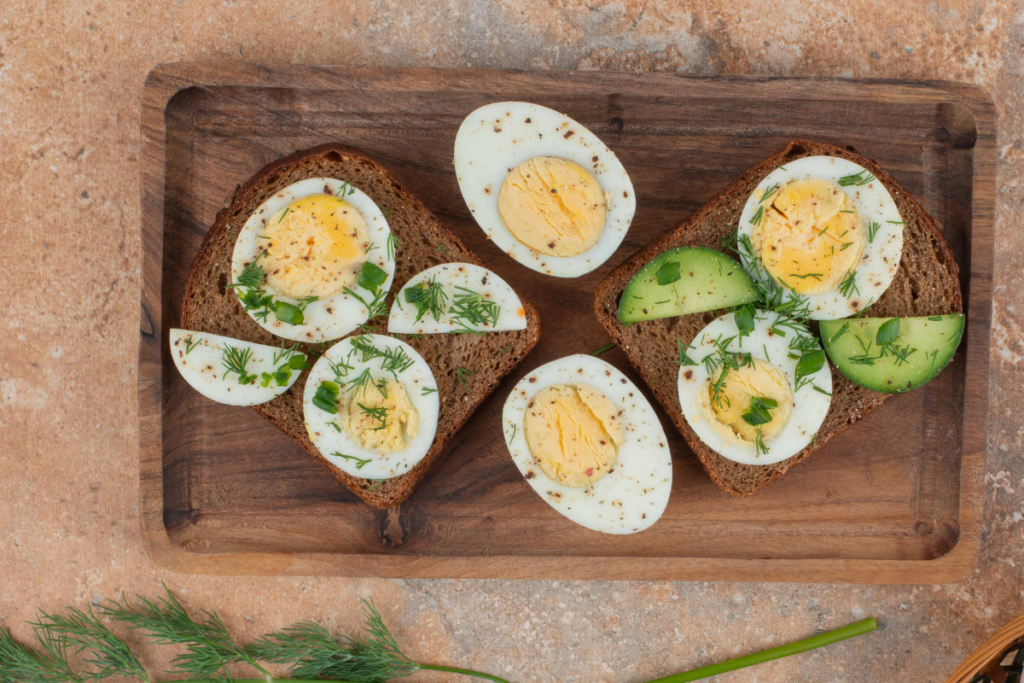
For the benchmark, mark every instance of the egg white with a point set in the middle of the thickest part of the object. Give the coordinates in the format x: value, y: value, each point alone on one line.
x: 199, y: 358
x: 331, y: 317
x: 809, y: 405
x: 496, y: 138
x: 329, y: 440
x: 451, y: 275
x: 633, y: 495
x: 881, y: 257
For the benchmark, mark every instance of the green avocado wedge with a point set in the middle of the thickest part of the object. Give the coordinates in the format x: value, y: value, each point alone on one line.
x: 683, y: 281
x: 892, y: 355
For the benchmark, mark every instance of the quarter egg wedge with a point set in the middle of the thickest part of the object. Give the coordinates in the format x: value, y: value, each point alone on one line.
x: 232, y: 371
x: 456, y: 297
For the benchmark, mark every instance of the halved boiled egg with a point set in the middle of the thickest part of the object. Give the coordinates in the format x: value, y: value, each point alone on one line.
x: 232, y: 371
x: 545, y: 189
x: 825, y: 230
x: 589, y: 444
x: 456, y: 297
x: 371, y: 406
x: 314, y: 260
x: 756, y: 395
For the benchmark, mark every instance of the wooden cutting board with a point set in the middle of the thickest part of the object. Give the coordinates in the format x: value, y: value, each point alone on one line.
x: 895, y: 499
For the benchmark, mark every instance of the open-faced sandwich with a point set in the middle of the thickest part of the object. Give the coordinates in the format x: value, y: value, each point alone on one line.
x: 835, y: 262
x: 332, y: 301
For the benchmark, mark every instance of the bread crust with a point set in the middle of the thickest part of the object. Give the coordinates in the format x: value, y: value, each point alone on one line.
x: 209, y: 307
x: 926, y: 283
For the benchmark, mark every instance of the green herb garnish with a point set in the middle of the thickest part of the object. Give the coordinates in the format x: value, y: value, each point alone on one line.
x: 668, y: 273
x: 859, y: 179
x: 462, y: 374
x: 360, y: 462
x: 235, y: 360
x: 888, y: 332
x: 601, y: 349
x: 427, y: 297
x: 326, y: 397
x: 758, y: 411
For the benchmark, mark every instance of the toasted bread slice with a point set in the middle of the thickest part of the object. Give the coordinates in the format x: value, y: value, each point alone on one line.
x: 927, y: 283
x: 209, y: 306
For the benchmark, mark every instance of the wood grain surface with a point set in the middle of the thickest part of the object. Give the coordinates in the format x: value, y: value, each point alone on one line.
x: 895, y: 499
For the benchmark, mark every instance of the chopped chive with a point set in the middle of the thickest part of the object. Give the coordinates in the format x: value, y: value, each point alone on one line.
x: 599, y: 351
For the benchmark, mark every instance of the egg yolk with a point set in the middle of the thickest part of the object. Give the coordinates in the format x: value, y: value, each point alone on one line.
x: 572, y: 432
x: 810, y: 236
x: 381, y: 420
x: 725, y: 412
x: 315, y: 246
x: 553, y: 206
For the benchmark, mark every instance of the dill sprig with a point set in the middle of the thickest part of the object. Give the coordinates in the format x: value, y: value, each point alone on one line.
x: 471, y: 309
x: 463, y: 374
x: 360, y: 462
x: 312, y: 653
x: 209, y: 648
x: 849, y: 284
x: 759, y: 446
x: 83, y: 633
x: 380, y: 414
x: 873, y: 229
x: 859, y: 179
x: 684, y: 358
x: 306, y: 648
x: 252, y: 276
x: 234, y: 360
x: 393, y: 245
x: 427, y: 297
x: 21, y: 664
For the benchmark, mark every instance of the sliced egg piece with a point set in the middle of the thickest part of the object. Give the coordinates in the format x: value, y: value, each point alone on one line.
x: 754, y: 398
x: 313, y: 259
x: 456, y: 297
x: 371, y: 406
x: 545, y: 189
x: 824, y: 230
x: 232, y: 371
x: 589, y: 444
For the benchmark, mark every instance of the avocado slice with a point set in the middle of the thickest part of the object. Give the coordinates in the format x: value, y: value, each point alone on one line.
x: 892, y: 355
x: 683, y: 281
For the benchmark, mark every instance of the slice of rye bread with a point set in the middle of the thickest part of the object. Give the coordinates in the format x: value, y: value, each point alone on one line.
x: 209, y: 306
x: 926, y: 283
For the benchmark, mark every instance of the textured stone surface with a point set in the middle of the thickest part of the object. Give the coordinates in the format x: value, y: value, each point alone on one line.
x: 70, y: 81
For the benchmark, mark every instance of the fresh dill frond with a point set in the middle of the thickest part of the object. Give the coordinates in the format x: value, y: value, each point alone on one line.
x: 426, y: 391
x: 21, y: 664
x: 252, y: 276
x: 209, y: 648
x: 768, y: 194
x: 873, y: 228
x: 759, y: 446
x: 380, y: 414
x: 427, y: 297
x: 684, y: 358
x: 360, y: 462
x: 848, y: 285
x: 393, y: 245
x: 602, y: 349
x: 471, y: 309
x: 442, y: 249
x: 235, y: 360
x: 758, y: 216
x: 189, y: 344
x: 463, y: 374
x: 396, y: 360
x: 84, y: 634
x: 858, y: 179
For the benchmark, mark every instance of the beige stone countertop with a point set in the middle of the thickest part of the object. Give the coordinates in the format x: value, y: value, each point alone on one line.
x: 71, y: 75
